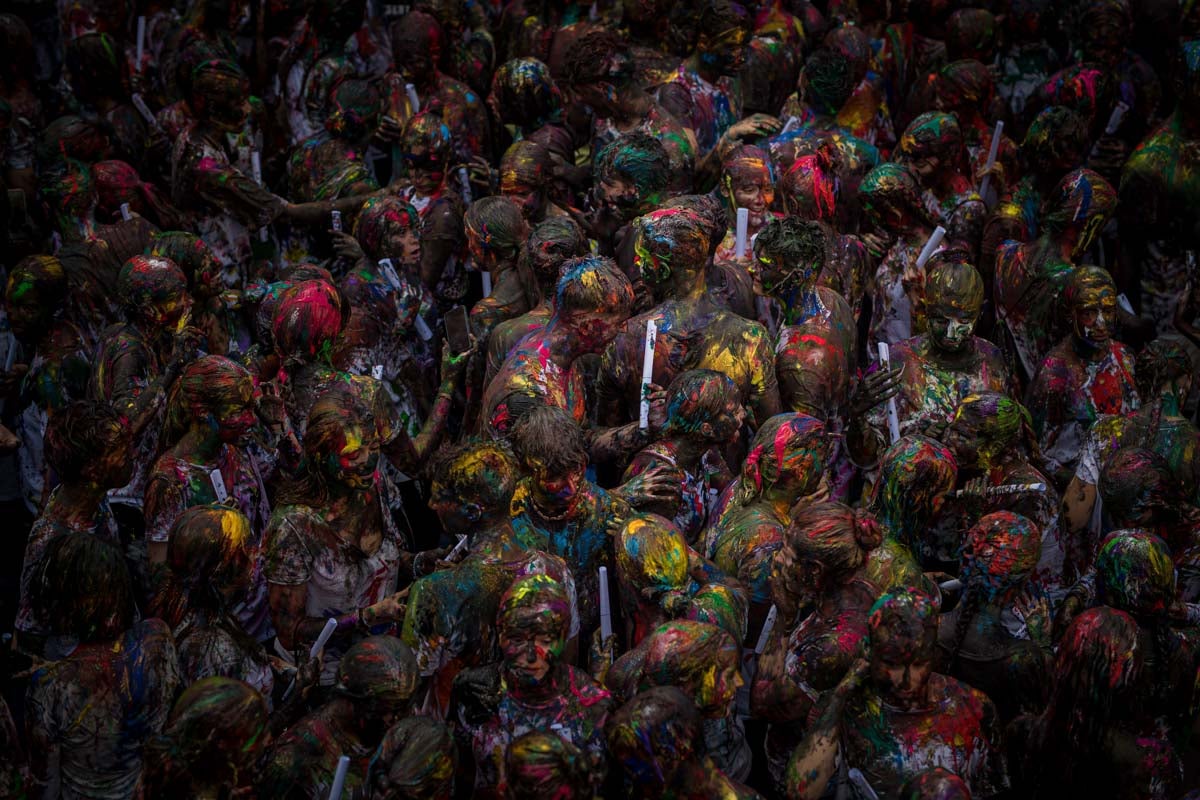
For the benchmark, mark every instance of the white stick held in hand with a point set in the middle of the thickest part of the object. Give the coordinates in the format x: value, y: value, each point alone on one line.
x: 413, y: 100
x: 647, y: 373
x: 893, y: 417
x: 336, y: 220
x: 1114, y: 119
x: 743, y: 228
x: 330, y: 626
x: 339, y: 778
x: 605, y: 607
x: 125, y: 215
x: 935, y: 239
x: 1009, y: 488
x: 464, y: 183
x: 768, y: 626
x: 487, y: 283
x: 993, y: 150
x: 141, y: 41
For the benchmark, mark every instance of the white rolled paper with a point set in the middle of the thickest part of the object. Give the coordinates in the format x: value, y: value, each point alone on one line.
x: 330, y: 626
x: 993, y: 150
x: 1115, y: 118
x: 1009, y: 488
x: 125, y: 215
x: 256, y: 166
x: 647, y: 373
x: 413, y: 100
x: 935, y: 239
x: 487, y: 283
x: 141, y: 41
x: 339, y: 778
x: 458, y: 548
x: 605, y: 607
x: 765, y: 635
x: 143, y: 109
x: 893, y: 417
x: 743, y: 228
x: 464, y: 183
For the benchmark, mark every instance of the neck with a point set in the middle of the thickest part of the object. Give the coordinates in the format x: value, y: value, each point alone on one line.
x: 1171, y: 407
x: 199, y: 443
x: 76, y: 503
x: 560, y: 344
x: 633, y: 107
x: 548, y: 688
x: 687, y: 450
x: 695, y: 63
x: 688, y: 285
x: 1087, y: 351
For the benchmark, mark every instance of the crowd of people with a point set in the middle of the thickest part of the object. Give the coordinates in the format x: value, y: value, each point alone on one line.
x: 657, y: 398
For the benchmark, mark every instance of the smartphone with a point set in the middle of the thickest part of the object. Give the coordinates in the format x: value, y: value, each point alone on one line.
x: 458, y: 330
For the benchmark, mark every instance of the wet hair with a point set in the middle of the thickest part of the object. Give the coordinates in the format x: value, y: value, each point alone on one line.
x: 118, y: 182
x: 829, y: 80
x: 96, y: 62
x: 1082, y: 198
x: 146, y: 280
x: 525, y: 595
x: 378, y: 668
x: 682, y: 234
x: 1055, y: 141
x: 1160, y: 363
x: 380, y: 217
x: 419, y: 28
x: 1085, y: 279
x: 498, y: 224
x: 891, y: 190
x: 638, y: 158
x: 658, y: 725
x: 935, y: 783
x: 190, y: 253
x: 718, y: 16
x: 37, y: 279
x: 204, y: 385
x: 523, y: 94
x: 484, y: 472
x: 308, y: 319
x: 835, y: 535
x: 79, y: 435
x: 598, y: 55
x: 809, y: 186
x: 963, y: 86
x: 710, y: 210
x: 539, y: 762
x: 525, y: 164
x: 1135, y: 573
x: 426, y: 141
x: 794, y: 241
x: 683, y: 653
x: 331, y: 414
x: 416, y: 754
x: 652, y: 556
x: 933, y: 134
x: 955, y: 279
x: 549, y: 245
x: 785, y: 443
x: 81, y: 587
x: 696, y: 397
x: 971, y: 33
x: 997, y: 424
x: 1134, y: 482
x: 67, y: 187
x: 903, y: 621
x: 210, y: 550
x: 592, y: 283
x: 354, y: 107
x: 551, y: 436
x: 913, y: 472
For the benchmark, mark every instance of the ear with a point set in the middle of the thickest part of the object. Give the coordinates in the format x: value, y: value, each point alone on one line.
x: 473, y: 512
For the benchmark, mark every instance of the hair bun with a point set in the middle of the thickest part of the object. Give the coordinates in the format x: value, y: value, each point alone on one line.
x: 867, y: 530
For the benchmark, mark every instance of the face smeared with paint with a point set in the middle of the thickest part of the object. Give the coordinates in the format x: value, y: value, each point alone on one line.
x: 404, y: 245
x: 652, y: 259
x: 901, y: 672
x: 531, y: 640
x: 619, y: 195
x: 354, y: 458
x: 528, y: 198
x: 795, y: 582
x: 556, y: 491
x: 752, y: 190
x: 725, y: 53
x: 771, y: 275
x: 728, y: 426
x: 951, y: 326
x: 236, y: 417
x: 1093, y: 315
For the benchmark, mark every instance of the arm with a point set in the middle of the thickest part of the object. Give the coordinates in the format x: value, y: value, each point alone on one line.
x: 815, y: 759
x: 413, y: 452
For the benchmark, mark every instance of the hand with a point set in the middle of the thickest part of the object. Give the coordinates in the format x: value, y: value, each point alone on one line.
x: 389, y: 609
x: 877, y: 244
x: 453, y: 365
x: 657, y: 396
x: 936, y: 429
x: 1072, y: 606
x: 659, y: 484
x: 854, y: 678
x: 187, y: 345
x: 975, y: 492
x: 602, y: 652
x: 755, y: 125
x: 346, y: 246
x: 427, y: 561
x: 309, y: 674
x: 390, y: 129
x: 821, y: 494
x: 875, y: 389
x: 9, y: 381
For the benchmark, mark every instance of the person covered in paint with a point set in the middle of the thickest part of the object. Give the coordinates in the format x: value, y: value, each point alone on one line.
x: 319, y: 38
x: 940, y: 367
x: 892, y: 716
x: 915, y: 477
x: 525, y: 99
x: 138, y: 361
x: 1088, y: 373
x: 592, y: 299
x: 332, y: 164
x: 747, y: 181
x: 543, y: 764
x: 55, y: 365
x: 1031, y: 276
x: 88, y: 447
x: 966, y: 89
x: 89, y: 714
x: 997, y: 639
x: 548, y: 246
x: 333, y: 548
x: 692, y: 332
x: 892, y: 204
x: 1165, y: 379
x: 657, y: 738
x: 211, y: 742
x: 630, y: 177
x: 601, y: 72
x: 214, y: 309
x: 1088, y: 738
x: 416, y: 760
x: 532, y: 688
x: 784, y: 470
x: 823, y: 596
x: 376, y: 679
x: 932, y: 147
x: 704, y: 414
x: 527, y: 178
x: 556, y: 508
x: 496, y: 232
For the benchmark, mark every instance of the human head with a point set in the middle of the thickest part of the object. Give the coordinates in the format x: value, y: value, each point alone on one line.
x: 749, y: 182
x: 426, y: 148
x: 1102, y: 32
x: 72, y: 137
x: 652, y: 556
x: 891, y: 199
x: 1086, y: 88
x: 419, y: 38
x: 118, y: 183
x: 95, y: 67
x: 903, y: 629
x: 999, y: 554
x: 308, y: 319
x: 935, y: 783
x: 915, y: 474
x: 971, y: 33
x: 988, y: 428
x: 219, y: 395
x: 1137, y: 488
x: 541, y: 765
x: 789, y: 254
x: 827, y: 80
x: 1135, y: 574
x: 964, y: 88
x: 724, y: 29
x: 220, y: 94
x: 415, y: 761
x: 192, y: 255
x: 378, y: 675
x: 532, y: 626
x: 210, y: 553
x: 1097, y: 671
x: 524, y: 95
x: 1055, y: 142
x: 671, y: 247
x: 69, y: 190
x: 153, y: 291
x: 705, y: 404
x: 825, y: 544
x: 653, y: 735
x: 786, y: 460
x: 549, y: 245
x: 953, y: 302
x: 598, y: 70
x: 217, y: 730
x: 931, y: 143
x: 809, y: 187
x: 495, y: 230
x: 1163, y: 368
x: 355, y: 107
x: 553, y: 449
x: 702, y: 660
x: 472, y: 484
x: 37, y: 288
x: 341, y: 444
x: 1187, y: 73
x: 1091, y: 298
x: 388, y: 227
x: 1081, y: 204
x: 593, y: 298
x: 89, y: 442
x: 525, y: 177
x: 630, y: 175
x: 81, y: 587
